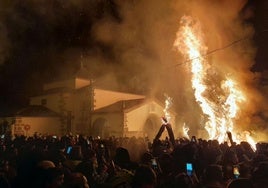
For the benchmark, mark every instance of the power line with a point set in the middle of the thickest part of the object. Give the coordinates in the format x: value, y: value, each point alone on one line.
x: 215, y: 50
x: 222, y: 48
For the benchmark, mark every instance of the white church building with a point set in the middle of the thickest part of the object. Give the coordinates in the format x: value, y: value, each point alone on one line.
x: 78, y: 106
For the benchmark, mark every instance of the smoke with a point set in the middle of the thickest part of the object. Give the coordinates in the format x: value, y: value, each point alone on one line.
x: 129, y: 43
x: 42, y: 41
x: 142, y: 44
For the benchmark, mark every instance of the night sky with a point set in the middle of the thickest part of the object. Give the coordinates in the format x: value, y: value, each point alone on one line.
x: 44, y: 40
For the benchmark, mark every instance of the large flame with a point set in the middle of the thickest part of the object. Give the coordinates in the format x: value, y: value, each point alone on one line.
x: 220, y: 101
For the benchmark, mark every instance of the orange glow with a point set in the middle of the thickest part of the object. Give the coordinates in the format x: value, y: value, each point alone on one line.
x: 185, y: 130
x: 219, y: 101
x: 168, y: 103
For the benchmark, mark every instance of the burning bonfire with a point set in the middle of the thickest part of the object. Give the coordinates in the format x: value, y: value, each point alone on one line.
x: 219, y: 97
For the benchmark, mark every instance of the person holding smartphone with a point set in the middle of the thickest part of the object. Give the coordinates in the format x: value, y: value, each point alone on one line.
x: 236, y: 172
x: 189, y: 169
x: 156, y: 166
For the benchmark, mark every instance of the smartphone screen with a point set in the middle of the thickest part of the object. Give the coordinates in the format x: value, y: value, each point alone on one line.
x: 189, y: 169
x: 236, y: 171
x: 154, y: 163
x: 69, y: 150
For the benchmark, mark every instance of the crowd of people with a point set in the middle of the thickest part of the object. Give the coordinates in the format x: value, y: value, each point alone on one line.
x: 77, y: 161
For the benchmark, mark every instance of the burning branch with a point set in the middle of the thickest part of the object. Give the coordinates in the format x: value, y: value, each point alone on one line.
x: 168, y: 103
